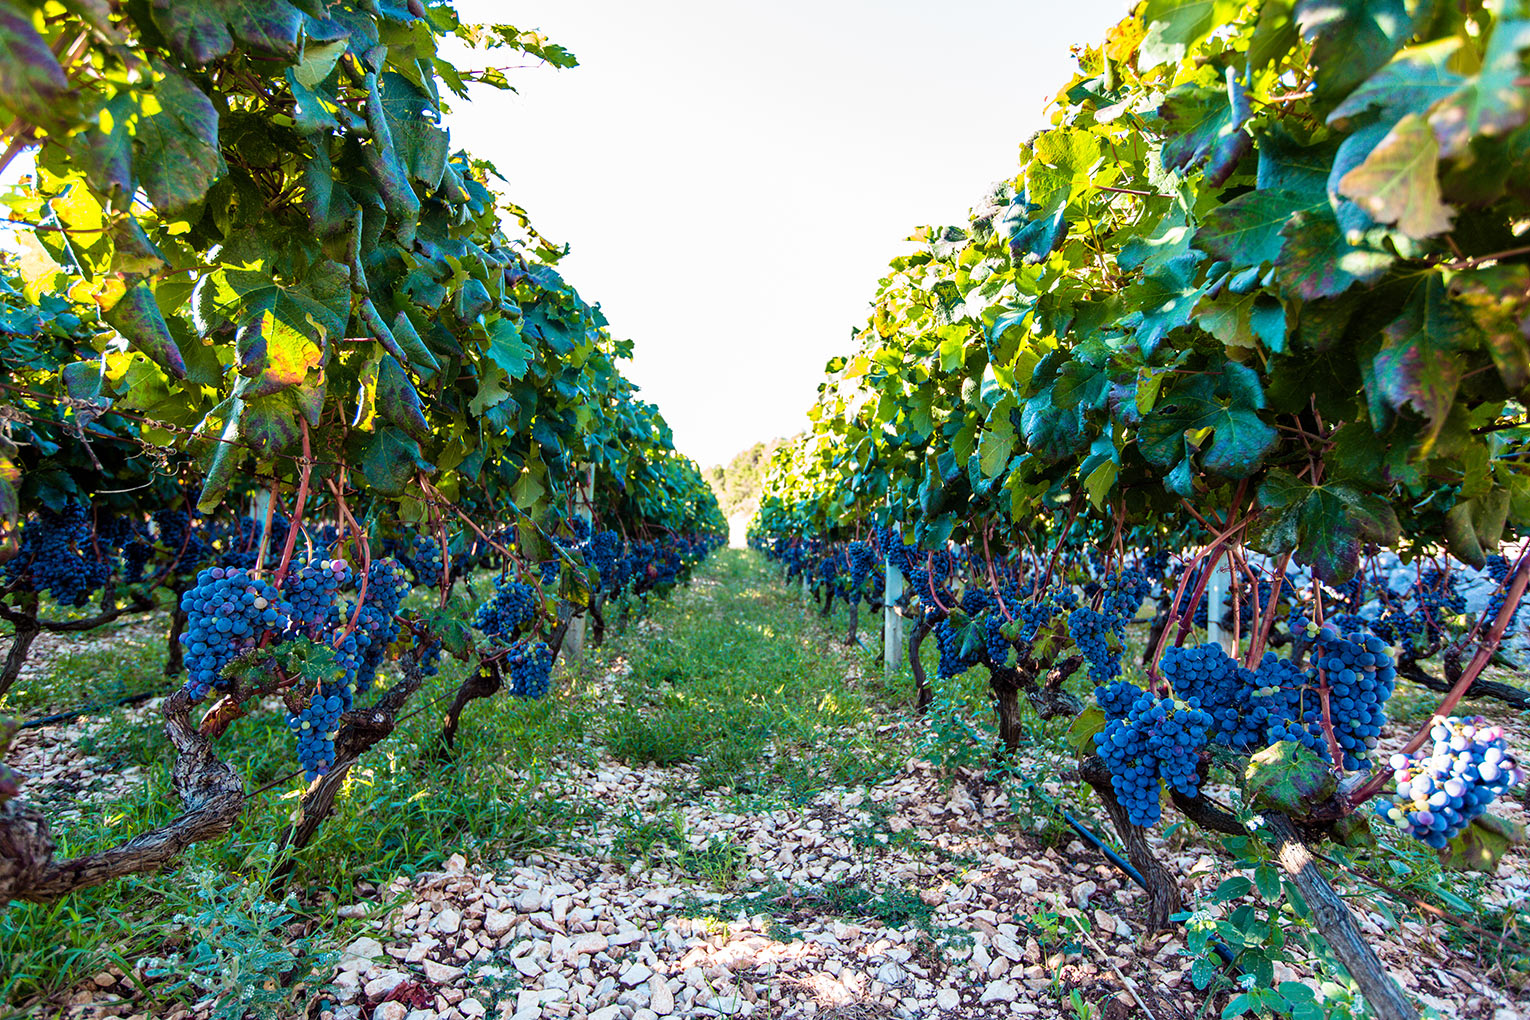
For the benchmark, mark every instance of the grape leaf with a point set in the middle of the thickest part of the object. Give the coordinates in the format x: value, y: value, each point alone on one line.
x: 1174, y: 26
x: 1493, y: 101
x: 1412, y: 82
x: 397, y: 400
x: 1482, y: 844
x: 1246, y: 231
x: 1288, y: 778
x: 137, y: 316
x: 176, y: 148
x: 1206, y: 128
x: 1325, y: 525
x: 1227, y: 404
x: 1415, y: 365
x: 1398, y: 183
x: 1351, y: 39
x: 204, y: 30
x: 1317, y: 261
x: 32, y: 84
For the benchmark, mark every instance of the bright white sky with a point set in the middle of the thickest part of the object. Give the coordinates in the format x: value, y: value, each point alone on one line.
x: 733, y: 177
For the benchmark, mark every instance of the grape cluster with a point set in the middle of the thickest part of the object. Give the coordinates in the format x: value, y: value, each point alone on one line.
x: 179, y: 536
x: 56, y: 554
x: 1116, y: 699
x: 530, y: 665
x: 424, y: 560
x: 511, y: 608
x: 949, y: 642
x: 861, y: 558
x: 1360, y: 677
x: 309, y: 592
x: 226, y: 614
x: 605, y: 553
x: 1210, y: 679
x: 1099, y: 633
x: 317, y: 725
x: 1443, y: 786
x: 376, y: 623
x: 1156, y: 740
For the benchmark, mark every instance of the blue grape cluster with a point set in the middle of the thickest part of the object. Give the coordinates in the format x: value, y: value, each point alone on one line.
x: 226, y: 614
x: 424, y: 560
x: 1155, y: 741
x: 1117, y: 698
x: 1361, y: 677
x: 530, y: 666
x: 1443, y: 786
x: 317, y: 725
x: 511, y: 609
x: 861, y: 559
x: 178, y: 534
x: 948, y: 640
x: 605, y: 552
x: 1099, y: 634
x: 376, y: 623
x: 56, y: 555
x: 309, y: 594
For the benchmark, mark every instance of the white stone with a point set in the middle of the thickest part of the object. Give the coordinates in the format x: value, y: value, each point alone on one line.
x: 440, y: 973
x: 421, y: 1014
x: 359, y: 954
x: 999, y: 991
x: 447, y: 922
x: 496, y: 923
x: 660, y: 999
x: 390, y: 1011
x: 527, y: 966
x: 636, y: 975
x: 529, y: 901
x: 625, y: 938
x: 607, y: 1013
x: 947, y: 999
x: 385, y: 983
x: 1006, y: 946
x: 591, y: 943
x: 471, y: 1007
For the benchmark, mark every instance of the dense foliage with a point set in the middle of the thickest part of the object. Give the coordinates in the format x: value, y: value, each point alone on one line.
x: 1253, y: 308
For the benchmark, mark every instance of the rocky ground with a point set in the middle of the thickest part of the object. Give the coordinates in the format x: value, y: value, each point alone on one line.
x: 929, y: 894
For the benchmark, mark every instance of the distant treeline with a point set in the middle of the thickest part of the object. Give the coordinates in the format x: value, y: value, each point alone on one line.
x: 738, y: 483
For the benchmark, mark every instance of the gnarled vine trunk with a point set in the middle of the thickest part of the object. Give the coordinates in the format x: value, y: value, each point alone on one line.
x: 210, y: 790
x: 1164, y: 899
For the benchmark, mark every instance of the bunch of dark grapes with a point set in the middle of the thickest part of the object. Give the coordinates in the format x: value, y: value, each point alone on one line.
x: 180, y: 537
x: 1360, y: 676
x: 605, y: 553
x: 1156, y: 740
x: 1116, y: 699
x: 1498, y: 569
x: 227, y: 612
x: 1443, y: 786
x: 309, y: 594
x: 56, y: 553
x: 949, y: 642
x: 424, y: 561
x: 511, y: 609
x: 861, y: 559
x: 1206, y: 677
x: 530, y: 666
x: 376, y: 622
x: 317, y: 725
x: 1435, y: 600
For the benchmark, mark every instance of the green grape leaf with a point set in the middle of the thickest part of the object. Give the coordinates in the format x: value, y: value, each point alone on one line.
x: 508, y: 347
x: 1493, y: 101
x: 204, y: 30
x: 414, y: 122
x: 1175, y: 26
x: 1206, y: 128
x: 1352, y: 39
x: 1317, y: 261
x: 1246, y: 231
x: 397, y: 400
x: 1228, y: 405
x: 32, y: 84
x: 270, y: 424
x: 278, y: 343
x: 1412, y: 82
x: 1080, y: 735
x: 1288, y: 778
x: 1326, y: 526
x: 1482, y: 844
x: 1398, y: 183
x: 137, y: 316
x: 176, y: 152
x: 389, y: 459
x: 1416, y: 365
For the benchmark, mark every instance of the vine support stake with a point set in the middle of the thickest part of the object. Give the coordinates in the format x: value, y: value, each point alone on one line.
x: 584, y: 494
x: 1337, y: 925
x: 892, y: 623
